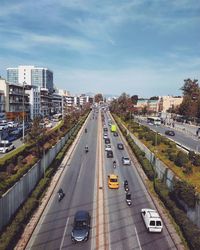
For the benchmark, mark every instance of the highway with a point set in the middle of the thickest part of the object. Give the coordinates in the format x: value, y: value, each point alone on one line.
x: 190, y: 142
x: 123, y: 227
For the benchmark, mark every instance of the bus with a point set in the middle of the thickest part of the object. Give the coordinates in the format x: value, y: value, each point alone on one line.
x: 57, y: 117
x: 154, y: 121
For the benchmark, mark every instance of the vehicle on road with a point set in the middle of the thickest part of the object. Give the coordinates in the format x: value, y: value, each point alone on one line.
x: 115, y: 134
x: 86, y: 149
x: 107, y: 140
x: 126, y: 161
x: 105, y: 136
x: 113, y: 128
x: 154, y: 121
x: 120, y: 146
x: 15, y: 134
x: 114, y: 164
x: 6, y: 146
x: 81, y: 226
x: 152, y: 220
x: 61, y: 194
x: 128, y: 199
x: 109, y: 154
x: 170, y: 132
x: 108, y: 147
x: 105, y: 129
x: 113, y: 181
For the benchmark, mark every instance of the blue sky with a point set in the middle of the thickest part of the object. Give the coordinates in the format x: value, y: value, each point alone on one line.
x: 109, y: 46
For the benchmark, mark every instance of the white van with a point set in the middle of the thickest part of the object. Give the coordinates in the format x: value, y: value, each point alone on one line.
x: 152, y: 220
x: 6, y: 146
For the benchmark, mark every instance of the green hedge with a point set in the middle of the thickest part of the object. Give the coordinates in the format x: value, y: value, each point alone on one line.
x: 11, y: 234
x: 190, y: 231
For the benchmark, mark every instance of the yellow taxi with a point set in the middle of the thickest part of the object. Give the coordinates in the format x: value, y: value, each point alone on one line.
x: 113, y: 181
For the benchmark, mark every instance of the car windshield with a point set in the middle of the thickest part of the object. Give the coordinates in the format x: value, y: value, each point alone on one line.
x: 80, y: 224
x: 126, y: 159
x: 113, y: 180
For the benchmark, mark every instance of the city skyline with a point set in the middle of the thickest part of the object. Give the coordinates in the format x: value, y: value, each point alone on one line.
x: 137, y: 47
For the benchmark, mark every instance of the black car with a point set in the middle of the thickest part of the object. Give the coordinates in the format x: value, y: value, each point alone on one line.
x: 107, y: 141
x: 81, y: 226
x: 120, y: 146
x: 110, y: 154
x: 105, y: 129
x: 115, y: 134
x: 170, y: 132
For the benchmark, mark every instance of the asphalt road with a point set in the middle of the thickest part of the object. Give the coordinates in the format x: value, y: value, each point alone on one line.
x: 77, y: 182
x: 180, y: 137
x: 124, y: 228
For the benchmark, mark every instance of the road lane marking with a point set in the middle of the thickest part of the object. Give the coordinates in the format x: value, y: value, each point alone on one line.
x: 138, y: 239
x: 63, y: 238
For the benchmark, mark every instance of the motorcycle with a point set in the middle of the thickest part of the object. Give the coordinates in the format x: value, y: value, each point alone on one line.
x: 114, y: 164
x: 85, y: 130
x: 60, y: 196
x: 128, y: 199
x: 86, y: 150
x: 126, y: 188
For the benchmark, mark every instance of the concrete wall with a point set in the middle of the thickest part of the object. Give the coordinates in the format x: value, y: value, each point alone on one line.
x: 165, y: 173
x: 16, y: 195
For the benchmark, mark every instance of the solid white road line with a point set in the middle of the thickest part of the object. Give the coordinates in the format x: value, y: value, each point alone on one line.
x: 138, y: 239
x: 63, y: 238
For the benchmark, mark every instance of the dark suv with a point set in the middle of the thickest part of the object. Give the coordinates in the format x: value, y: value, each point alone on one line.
x: 110, y: 154
x: 81, y: 226
x: 170, y: 132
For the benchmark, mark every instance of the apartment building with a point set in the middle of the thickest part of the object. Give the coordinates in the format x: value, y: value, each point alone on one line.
x: 45, y: 102
x: 169, y: 102
x: 16, y: 101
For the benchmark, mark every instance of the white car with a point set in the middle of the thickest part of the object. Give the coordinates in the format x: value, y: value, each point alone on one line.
x: 126, y: 161
x: 105, y: 136
x: 3, y: 126
x: 108, y: 147
x: 12, y: 124
x: 6, y: 146
x: 152, y: 220
x: 49, y: 125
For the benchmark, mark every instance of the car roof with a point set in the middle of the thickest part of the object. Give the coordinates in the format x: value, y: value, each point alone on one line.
x: 81, y: 215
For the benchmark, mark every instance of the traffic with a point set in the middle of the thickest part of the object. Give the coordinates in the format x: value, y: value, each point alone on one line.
x: 73, y: 217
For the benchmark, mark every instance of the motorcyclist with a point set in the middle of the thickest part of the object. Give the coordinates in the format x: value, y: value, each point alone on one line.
x: 114, y: 163
x: 125, y: 183
x: 86, y: 149
x: 60, y: 191
x: 85, y: 130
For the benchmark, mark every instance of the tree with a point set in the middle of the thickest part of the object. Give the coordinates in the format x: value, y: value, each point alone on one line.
x: 190, y: 87
x: 98, y: 97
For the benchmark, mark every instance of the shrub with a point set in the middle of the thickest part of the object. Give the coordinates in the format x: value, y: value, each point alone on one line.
x: 184, y: 191
x: 196, y: 161
x: 181, y: 159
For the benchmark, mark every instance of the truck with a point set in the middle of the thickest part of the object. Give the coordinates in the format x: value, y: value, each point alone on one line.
x: 113, y: 128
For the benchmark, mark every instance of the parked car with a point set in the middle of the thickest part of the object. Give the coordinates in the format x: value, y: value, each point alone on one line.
x: 12, y: 124
x: 6, y: 146
x: 3, y: 126
x: 152, y: 220
x: 15, y: 134
x: 81, y: 226
x: 109, y: 154
x: 126, y: 161
x: 120, y: 146
x: 170, y: 132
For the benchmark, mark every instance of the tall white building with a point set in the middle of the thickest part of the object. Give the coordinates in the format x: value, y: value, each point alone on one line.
x: 31, y: 75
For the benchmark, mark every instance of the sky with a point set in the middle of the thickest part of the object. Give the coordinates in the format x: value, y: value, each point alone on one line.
x: 140, y: 47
